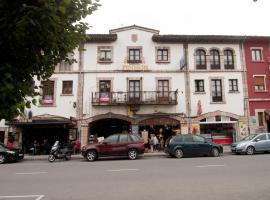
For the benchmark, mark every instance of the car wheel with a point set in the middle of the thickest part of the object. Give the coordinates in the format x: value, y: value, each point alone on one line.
x: 91, y: 155
x: 250, y: 150
x: 2, y: 159
x: 178, y: 153
x: 215, y: 152
x: 132, y: 154
x: 51, y: 158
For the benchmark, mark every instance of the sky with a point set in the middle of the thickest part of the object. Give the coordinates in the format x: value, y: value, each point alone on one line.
x: 185, y: 17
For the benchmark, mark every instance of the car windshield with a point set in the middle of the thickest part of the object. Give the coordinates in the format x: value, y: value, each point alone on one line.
x: 3, y: 148
x: 250, y: 137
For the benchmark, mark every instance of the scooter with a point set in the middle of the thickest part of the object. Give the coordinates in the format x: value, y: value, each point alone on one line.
x: 59, y: 153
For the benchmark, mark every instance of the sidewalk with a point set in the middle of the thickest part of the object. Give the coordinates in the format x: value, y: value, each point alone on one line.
x: 226, y: 150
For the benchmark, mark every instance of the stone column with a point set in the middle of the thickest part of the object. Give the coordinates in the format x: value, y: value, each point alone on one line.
x: 84, y: 134
x: 6, y: 136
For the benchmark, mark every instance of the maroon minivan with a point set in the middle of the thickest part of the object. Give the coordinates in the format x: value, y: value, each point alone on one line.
x: 115, y: 145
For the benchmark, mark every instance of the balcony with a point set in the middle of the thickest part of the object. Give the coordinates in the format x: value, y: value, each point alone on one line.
x: 134, y: 98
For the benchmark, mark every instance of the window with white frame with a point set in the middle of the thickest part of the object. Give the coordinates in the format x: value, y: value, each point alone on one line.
x: 104, y: 54
x: 200, y: 59
x: 228, y: 59
x: 216, y: 90
x: 256, y: 55
x: 259, y: 82
x: 162, y: 54
x: 134, y: 55
x: 199, y: 85
x: 215, y: 59
x: 67, y: 87
x: 233, y: 85
x: 47, y: 92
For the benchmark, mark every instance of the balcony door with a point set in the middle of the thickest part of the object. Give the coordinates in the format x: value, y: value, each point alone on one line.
x: 104, y: 90
x: 163, y: 90
x: 134, y: 91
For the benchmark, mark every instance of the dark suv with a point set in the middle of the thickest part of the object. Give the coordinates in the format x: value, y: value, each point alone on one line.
x: 10, y: 154
x: 182, y: 145
x: 115, y: 145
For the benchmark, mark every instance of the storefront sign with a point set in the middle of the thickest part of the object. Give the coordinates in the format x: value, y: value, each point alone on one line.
x: 253, y: 120
x: 135, y: 67
x: 243, y: 129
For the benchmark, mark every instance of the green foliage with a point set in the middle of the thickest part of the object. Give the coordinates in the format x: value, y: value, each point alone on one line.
x: 35, y: 36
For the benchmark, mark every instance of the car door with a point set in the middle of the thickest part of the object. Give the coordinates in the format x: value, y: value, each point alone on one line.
x: 201, y: 147
x: 260, y: 143
x: 109, y: 145
x: 268, y: 142
x: 123, y: 144
x: 188, y: 145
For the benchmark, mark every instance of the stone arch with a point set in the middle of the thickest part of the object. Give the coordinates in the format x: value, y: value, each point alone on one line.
x: 201, y: 48
x: 107, y: 116
x: 216, y: 113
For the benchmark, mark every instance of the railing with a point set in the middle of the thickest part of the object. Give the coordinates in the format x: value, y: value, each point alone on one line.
x: 131, y: 98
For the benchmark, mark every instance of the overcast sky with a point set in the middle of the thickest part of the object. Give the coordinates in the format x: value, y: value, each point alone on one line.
x: 204, y: 17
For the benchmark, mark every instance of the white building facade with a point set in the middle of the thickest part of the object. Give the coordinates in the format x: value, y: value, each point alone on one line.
x: 132, y: 80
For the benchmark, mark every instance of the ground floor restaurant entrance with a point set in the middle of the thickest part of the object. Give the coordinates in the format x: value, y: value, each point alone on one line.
x: 155, y: 131
x: 106, y: 127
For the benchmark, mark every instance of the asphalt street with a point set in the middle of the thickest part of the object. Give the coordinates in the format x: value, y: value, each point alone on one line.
x: 234, y: 177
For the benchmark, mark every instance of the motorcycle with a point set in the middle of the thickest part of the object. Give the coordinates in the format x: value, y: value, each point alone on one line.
x: 58, y: 152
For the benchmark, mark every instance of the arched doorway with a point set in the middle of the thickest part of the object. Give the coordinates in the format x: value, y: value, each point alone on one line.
x: 162, y: 127
x: 108, y: 126
x: 220, y: 127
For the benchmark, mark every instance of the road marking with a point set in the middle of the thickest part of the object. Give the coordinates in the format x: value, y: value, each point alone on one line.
x: 210, y: 166
x: 37, y: 197
x: 31, y: 173
x: 119, y: 170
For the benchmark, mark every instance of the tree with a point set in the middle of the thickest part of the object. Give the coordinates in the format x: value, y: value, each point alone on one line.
x: 35, y: 36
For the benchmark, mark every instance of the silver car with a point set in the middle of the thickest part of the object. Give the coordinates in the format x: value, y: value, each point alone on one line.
x: 251, y: 144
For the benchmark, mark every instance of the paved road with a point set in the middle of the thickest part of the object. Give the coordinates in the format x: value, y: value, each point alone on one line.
x: 227, y: 177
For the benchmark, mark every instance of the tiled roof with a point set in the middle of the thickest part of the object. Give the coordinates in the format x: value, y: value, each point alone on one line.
x: 93, y: 38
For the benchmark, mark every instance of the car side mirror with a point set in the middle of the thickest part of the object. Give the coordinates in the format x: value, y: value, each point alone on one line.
x: 257, y: 140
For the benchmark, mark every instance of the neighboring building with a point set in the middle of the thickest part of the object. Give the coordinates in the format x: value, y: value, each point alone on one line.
x: 136, y: 80
x: 257, y: 57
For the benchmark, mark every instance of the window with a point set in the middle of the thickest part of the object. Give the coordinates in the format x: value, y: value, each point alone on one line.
x: 261, y: 137
x: 104, y: 90
x: 134, y: 56
x: 162, y: 55
x: 259, y: 83
x: 123, y: 138
x: 47, y: 92
x: 215, y: 59
x: 260, y: 118
x: 134, y: 90
x: 67, y: 87
x: 216, y: 90
x: 198, y: 139
x: 187, y: 138
x: 233, y: 85
x: 111, y: 139
x: 163, y: 89
x: 228, y: 59
x: 178, y: 138
x: 256, y: 54
x: 134, y: 138
x: 64, y: 66
x: 199, y: 85
x: 104, y: 54
x: 200, y: 59
x: 268, y: 136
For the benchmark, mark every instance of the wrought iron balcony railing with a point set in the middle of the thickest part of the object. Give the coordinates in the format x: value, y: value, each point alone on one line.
x: 138, y: 98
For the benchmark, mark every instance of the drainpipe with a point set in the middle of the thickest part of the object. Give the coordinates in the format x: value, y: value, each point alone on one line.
x: 187, y: 87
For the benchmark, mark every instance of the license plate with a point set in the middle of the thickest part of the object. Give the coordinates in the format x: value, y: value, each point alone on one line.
x: 20, y: 154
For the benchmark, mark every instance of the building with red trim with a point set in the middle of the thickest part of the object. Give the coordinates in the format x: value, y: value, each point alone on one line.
x: 257, y: 58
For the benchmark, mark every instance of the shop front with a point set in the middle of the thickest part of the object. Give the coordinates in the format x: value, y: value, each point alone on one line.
x: 221, y: 127
x: 42, y: 131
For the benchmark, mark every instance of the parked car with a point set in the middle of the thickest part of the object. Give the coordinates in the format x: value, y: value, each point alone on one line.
x: 183, y: 145
x: 252, y: 144
x: 19, y: 152
x: 115, y: 145
x: 9, y: 154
